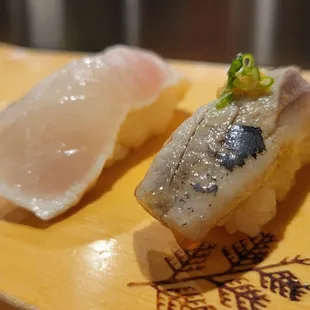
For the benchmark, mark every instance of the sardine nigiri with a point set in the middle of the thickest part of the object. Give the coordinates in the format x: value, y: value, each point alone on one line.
x: 228, y: 164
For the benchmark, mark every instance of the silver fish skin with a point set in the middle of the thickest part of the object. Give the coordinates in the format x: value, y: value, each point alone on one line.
x: 217, y: 159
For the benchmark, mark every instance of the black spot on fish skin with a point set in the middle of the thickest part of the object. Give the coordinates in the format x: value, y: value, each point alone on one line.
x: 240, y: 143
x: 212, y: 188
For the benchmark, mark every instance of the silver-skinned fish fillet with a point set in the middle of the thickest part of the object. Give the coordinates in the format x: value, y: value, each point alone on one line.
x: 229, y: 167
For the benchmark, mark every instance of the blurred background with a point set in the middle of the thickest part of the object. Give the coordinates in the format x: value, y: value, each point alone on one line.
x: 276, y: 31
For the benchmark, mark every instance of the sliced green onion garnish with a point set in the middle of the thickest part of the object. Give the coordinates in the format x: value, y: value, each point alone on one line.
x: 235, y: 66
x: 224, y: 100
x: 247, y: 61
x: 254, y: 72
x: 244, y: 76
x: 266, y: 81
x: 238, y: 83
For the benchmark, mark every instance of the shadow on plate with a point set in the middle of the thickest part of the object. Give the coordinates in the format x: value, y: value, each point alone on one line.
x: 109, y: 176
x: 183, y: 276
x: 10, y: 303
x: 5, y: 306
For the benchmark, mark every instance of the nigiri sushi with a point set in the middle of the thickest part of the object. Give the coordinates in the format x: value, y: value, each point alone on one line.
x: 234, y: 158
x: 56, y: 140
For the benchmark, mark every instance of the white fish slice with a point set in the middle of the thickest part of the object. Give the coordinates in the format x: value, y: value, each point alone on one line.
x: 56, y: 140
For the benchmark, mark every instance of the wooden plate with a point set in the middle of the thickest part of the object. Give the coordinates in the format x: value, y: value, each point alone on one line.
x: 109, y: 254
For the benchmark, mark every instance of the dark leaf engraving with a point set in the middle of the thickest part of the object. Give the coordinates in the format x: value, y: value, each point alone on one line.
x: 284, y: 282
x: 183, y: 298
x: 295, y: 260
x: 185, y: 261
x: 244, y: 294
x: 249, y: 252
x: 178, y: 292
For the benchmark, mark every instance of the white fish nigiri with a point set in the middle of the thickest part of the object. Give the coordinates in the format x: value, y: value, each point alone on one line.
x: 56, y: 140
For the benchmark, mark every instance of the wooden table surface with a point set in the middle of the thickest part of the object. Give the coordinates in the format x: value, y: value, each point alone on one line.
x: 110, y: 254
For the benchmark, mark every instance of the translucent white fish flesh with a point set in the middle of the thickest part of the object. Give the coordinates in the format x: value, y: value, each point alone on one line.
x: 56, y: 140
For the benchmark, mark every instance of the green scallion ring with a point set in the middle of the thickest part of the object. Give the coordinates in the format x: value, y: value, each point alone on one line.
x: 241, y: 85
x: 254, y: 72
x: 247, y: 61
x: 224, y: 100
x: 266, y: 81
